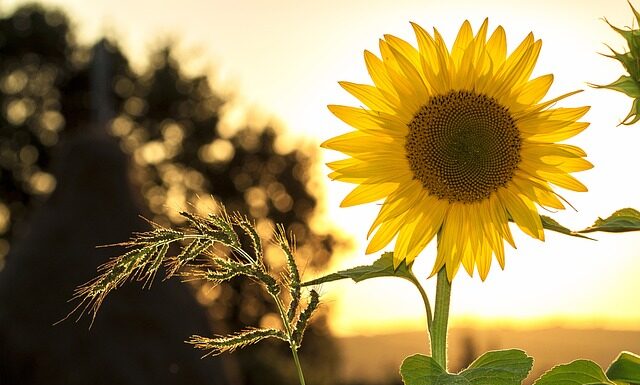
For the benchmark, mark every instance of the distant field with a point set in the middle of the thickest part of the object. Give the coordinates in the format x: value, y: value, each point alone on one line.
x: 376, y: 359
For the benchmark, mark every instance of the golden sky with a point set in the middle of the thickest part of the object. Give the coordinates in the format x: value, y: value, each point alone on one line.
x: 284, y: 58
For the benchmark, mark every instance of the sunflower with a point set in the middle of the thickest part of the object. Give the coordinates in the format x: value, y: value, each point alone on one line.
x: 457, y: 143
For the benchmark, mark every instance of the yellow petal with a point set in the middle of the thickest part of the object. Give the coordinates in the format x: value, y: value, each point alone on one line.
x: 563, y: 180
x: 558, y: 115
x: 419, y: 91
x: 451, y: 240
x: 363, y: 169
x: 404, y: 48
x: 534, y: 90
x: 537, y: 193
x: 497, y: 47
x: 404, y: 237
x: 483, y: 260
x: 380, y: 78
x: 336, y: 175
x: 398, y: 203
x: 384, y: 235
x: 492, y: 236
x: 342, y: 163
x: 375, y: 123
x: 434, y: 211
x: 357, y: 142
x: 560, y: 134
x: 429, y: 60
x: 366, y: 193
x: 445, y: 63
x: 573, y: 164
x: 465, y: 36
x: 542, y: 106
x: 481, y: 36
x: 514, y: 72
x: 498, y: 215
x: 523, y: 212
x: 369, y: 95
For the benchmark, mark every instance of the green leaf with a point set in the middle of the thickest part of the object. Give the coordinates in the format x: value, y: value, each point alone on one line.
x: 623, y: 220
x: 383, y: 267
x: 503, y: 367
x: 626, y: 369
x: 424, y: 370
x: 579, y: 372
x: 551, y: 224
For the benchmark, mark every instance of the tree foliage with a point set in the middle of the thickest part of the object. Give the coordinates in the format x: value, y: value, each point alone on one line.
x: 168, y: 122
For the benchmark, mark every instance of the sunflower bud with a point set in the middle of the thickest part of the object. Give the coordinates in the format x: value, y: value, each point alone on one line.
x: 630, y: 60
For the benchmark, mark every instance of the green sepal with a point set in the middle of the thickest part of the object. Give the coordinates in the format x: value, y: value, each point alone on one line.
x: 629, y: 62
x: 634, y: 114
x: 502, y: 367
x: 624, y: 84
x: 628, y: 34
x: 382, y: 267
x: 625, y: 369
x: 623, y: 220
x: 579, y: 372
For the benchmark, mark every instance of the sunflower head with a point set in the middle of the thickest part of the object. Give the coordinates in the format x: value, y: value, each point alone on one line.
x: 457, y: 143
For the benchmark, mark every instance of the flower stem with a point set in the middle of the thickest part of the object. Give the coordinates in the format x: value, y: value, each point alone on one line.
x: 425, y: 300
x: 289, y: 332
x: 294, y: 351
x: 441, y: 319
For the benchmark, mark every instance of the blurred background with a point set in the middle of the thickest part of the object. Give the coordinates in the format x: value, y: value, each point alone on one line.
x: 112, y: 110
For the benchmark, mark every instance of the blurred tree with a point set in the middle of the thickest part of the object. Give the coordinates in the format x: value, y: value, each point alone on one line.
x: 168, y: 123
x: 32, y: 68
x: 76, y: 194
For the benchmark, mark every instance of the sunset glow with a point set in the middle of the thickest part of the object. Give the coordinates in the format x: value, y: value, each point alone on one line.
x: 281, y: 61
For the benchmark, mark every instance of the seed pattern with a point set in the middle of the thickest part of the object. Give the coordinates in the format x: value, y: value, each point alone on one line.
x: 463, y: 146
